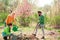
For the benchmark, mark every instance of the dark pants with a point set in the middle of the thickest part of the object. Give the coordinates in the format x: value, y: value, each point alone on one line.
x: 5, y: 38
x: 42, y: 27
x: 10, y: 24
x: 9, y: 28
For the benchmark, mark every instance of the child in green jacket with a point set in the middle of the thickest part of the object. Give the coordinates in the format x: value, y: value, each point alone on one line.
x: 6, y: 33
x: 40, y: 23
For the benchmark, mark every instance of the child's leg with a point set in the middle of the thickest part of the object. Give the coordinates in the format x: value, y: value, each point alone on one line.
x: 42, y: 27
x: 5, y: 38
x: 43, y: 30
x: 9, y: 37
x: 5, y: 24
x: 9, y: 31
x: 36, y: 28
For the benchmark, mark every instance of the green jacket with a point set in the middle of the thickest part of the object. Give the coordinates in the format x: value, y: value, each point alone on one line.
x: 6, y: 30
x: 41, y: 19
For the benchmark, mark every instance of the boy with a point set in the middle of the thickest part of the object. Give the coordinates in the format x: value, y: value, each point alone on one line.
x: 10, y: 19
x: 40, y: 23
x: 5, y: 33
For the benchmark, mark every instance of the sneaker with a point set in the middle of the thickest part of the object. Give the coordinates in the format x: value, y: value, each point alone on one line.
x: 43, y: 37
x: 34, y: 34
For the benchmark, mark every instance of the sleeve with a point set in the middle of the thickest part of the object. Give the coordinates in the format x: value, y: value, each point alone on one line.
x: 14, y: 21
x: 7, y: 19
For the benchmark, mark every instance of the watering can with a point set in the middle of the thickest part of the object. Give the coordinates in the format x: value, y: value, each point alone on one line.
x: 15, y: 28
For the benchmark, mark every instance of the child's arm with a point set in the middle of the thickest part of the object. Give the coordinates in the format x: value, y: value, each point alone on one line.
x: 14, y: 21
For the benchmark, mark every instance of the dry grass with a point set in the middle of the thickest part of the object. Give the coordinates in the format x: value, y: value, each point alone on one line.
x: 29, y: 30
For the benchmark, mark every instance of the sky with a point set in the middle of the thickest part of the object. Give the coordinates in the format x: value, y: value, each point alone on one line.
x: 41, y: 3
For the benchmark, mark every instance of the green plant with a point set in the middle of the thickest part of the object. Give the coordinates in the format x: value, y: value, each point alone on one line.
x: 24, y: 21
x: 57, y: 30
x: 1, y: 23
x: 47, y: 19
x: 48, y: 28
x: 3, y: 16
x: 57, y: 19
x: 58, y: 38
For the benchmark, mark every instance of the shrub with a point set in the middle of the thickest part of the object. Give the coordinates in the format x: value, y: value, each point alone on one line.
x: 57, y: 19
x: 3, y: 16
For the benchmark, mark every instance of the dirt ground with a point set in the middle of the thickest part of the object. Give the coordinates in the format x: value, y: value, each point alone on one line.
x: 49, y: 34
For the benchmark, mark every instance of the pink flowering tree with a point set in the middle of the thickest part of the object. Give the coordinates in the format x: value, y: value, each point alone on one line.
x: 24, y: 11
